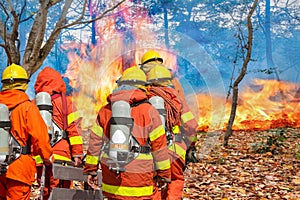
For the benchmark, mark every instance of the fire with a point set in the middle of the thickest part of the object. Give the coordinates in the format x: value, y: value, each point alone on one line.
x: 93, y: 70
x: 122, y: 40
x: 262, y: 105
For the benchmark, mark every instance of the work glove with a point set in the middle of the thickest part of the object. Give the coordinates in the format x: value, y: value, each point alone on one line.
x: 92, y: 181
x: 77, y: 161
x: 191, y: 155
x: 161, y: 183
x: 49, y: 162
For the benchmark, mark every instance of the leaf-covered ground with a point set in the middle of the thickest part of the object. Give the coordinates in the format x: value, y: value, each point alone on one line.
x: 256, y: 165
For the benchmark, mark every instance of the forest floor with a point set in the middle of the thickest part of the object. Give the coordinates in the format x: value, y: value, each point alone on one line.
x: 256, y: 165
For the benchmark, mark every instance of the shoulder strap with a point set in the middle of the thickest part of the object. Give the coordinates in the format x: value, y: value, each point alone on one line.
x: 139, y: 102
x: 24, y: 149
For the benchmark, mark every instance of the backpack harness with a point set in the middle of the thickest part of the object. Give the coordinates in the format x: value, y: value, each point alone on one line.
x: 123, y: 147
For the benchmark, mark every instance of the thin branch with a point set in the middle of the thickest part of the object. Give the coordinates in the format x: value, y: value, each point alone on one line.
x: 22, y: 11
x: 95, y: 19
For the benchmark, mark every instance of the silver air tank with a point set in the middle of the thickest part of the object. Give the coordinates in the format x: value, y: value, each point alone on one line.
x: 159, y: 103
x: 43, y: 102
x: 5, y: 126
x: 119, y: 145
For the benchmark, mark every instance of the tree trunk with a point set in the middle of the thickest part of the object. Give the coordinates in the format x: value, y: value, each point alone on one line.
x: 228, y: 132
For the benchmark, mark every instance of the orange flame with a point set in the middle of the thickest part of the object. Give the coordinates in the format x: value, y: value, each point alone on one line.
x: 93, y: 70
x: 263, y: 105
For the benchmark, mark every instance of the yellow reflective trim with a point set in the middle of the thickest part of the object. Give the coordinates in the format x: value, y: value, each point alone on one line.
x: 98, y: 130
x: 59, y: 157
x: 192, y: 139
x: 92, y: 160
x: 38, y: 159
x: 176, y: 129
x: 141, y: 156
x: 75, y: 140
x: 187, y: 116
x: 128, y: 191
x: 163, y: 165
x: 156, y: 133
x: 104, y: 155
x: 73, y: 117
x: 178, y: 150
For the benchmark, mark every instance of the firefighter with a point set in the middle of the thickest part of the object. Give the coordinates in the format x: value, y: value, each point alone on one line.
x: 67, y: 138
x: 134, y: 143
x: 149, y: 60
x: 180, y: 125
x: 28, y: 135
x: 152, y: 58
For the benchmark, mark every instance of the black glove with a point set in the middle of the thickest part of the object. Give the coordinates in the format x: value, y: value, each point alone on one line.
x: 191, y: 155
x: 92, y: 181
x: 161, y: 183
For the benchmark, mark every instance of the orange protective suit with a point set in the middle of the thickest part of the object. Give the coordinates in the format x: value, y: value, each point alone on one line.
x: 67, y: 118
x: 29, y: 129
x: 136, y: 182
x: 177, y: 150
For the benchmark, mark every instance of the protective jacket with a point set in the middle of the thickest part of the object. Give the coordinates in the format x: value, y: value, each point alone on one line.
x: 64, y: 115
x: 137, y: 180
x: 183, y: 129
x: 28, y: 128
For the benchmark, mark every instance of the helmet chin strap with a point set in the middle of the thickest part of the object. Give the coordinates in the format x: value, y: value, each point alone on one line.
x: 17, y: 85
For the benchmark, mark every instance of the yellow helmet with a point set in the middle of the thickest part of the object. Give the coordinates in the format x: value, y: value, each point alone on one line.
x: 151, y: 56
x: 13, y: 72
x: 133, y: 75
x: 159, y: 73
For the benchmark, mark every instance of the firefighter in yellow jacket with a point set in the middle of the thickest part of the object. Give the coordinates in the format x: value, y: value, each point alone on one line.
x: 134, y: 143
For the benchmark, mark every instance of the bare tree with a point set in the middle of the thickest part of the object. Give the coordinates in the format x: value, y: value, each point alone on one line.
x: 228, y: 132
x: 39, y: 44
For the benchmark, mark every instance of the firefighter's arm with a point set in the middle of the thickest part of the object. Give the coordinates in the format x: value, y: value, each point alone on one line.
x: 75, y: 136
x: 159, y: 148
x: 189, y: 125
x: 189, y: 130
x: 93, y: 153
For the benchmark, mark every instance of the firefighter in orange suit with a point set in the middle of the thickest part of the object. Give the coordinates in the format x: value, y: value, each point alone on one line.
x: 180, y: 125
x: 28, y: 131
x: 67, y: 150
x: 152, y: 58
x: 146, y: 152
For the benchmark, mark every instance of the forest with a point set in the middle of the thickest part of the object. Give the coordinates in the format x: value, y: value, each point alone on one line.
x: 238, y: 62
